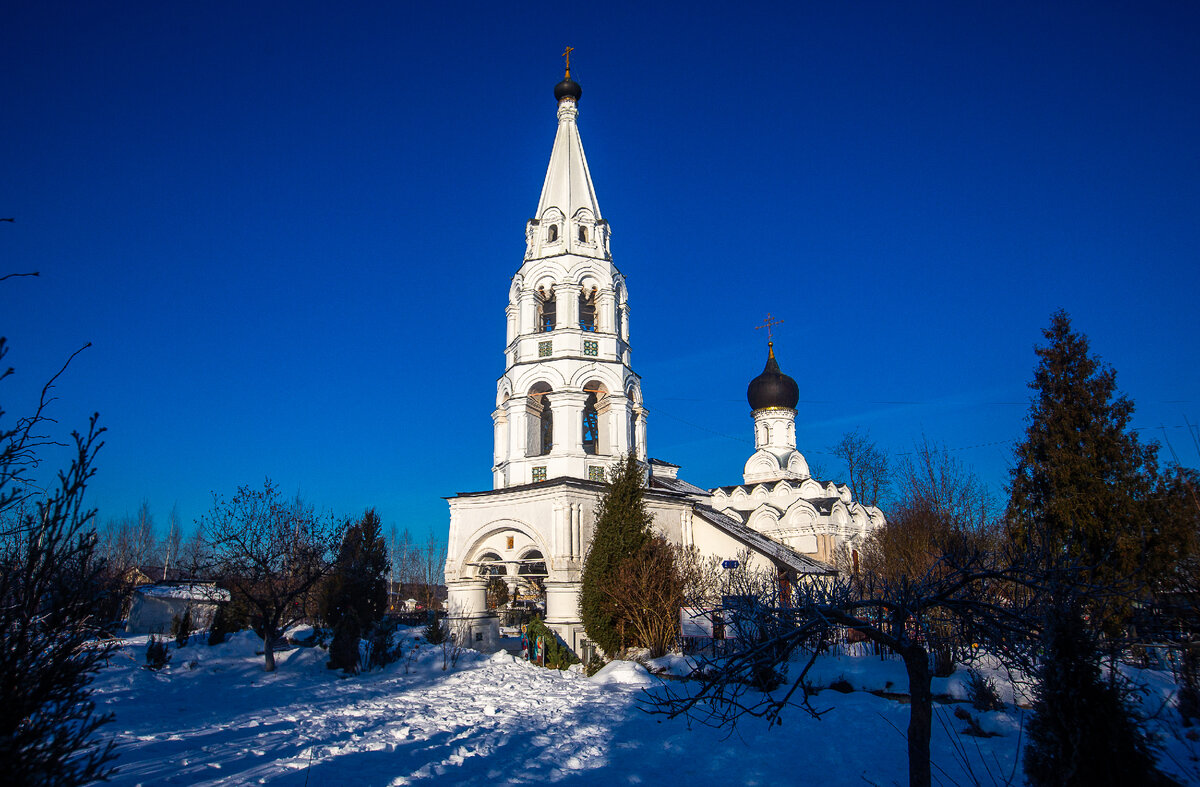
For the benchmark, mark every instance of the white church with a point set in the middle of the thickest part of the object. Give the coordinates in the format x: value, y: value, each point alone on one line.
x: 569, y: 405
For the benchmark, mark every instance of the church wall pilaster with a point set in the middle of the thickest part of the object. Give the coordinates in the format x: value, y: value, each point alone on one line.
x: 639, y: 425
x: 604, y: 311
x: 568, y: 422
x: 568, y: 305
x: 577, y: 532
x: 528, y: 308
x: 500, y: 446
x: 620, y: 417
x: 559, y: 539
x: 518, y: 426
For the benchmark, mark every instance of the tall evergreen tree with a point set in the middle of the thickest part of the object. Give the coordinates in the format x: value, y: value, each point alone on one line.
x: 1082, y: 484
x: 622, y: 528
x: 356, y: 596
x: 1083, y: 731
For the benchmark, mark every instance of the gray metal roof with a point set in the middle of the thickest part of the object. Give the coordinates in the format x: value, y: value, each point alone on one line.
x: 801, y: 564
x: 676, y: 485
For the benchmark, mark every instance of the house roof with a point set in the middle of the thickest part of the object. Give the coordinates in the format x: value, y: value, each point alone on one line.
x: 677, y: 485
x: 780, y: 553
x: 187, y: 591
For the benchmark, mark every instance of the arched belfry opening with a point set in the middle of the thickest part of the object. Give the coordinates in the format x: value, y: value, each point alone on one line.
x: 587, y: 309
x: 547, y: 310
x: 489, y: 565
x: 552, y: 233
x: 595, y: 412
x: 540, y: 435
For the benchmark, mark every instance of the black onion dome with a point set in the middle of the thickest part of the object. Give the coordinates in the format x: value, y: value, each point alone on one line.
x: 772, y: 388
x: 568, y: 88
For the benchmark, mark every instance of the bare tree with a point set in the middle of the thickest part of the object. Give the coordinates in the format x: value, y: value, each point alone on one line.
x: 866, y: 466
x: 49, y: 652
x: 127, y: 544
x: 433, y: 571
x: 406, y: 558
x: 645, y: 594
x: 701, y: 577
x: 195, y: 556
x: 989, y: 600
x: 940, y: 505
x: 271, y: 552
x: 49, y: 586
x: 173, y: 543
x: 933, y: 475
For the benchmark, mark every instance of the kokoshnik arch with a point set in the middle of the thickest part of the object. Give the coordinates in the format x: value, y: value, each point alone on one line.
x: 569, y: 405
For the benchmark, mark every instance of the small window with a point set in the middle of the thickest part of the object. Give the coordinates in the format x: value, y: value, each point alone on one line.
x: 583, y: 234
x: 552, y: 233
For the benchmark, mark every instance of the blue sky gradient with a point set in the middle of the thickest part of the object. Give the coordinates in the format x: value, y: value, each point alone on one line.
x: 288, y: 228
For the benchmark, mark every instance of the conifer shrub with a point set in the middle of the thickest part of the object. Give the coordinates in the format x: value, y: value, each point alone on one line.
x: 354, y: 597
x: 557, y: 654
x: 981, y: 691
x: 380, y: 650
x: 435, y: 634
x: 231, y: 617
x: 157, y: 653
x: 622, y: 529
x: 1084, y: 730
x: 1189, y: 685
x: 841, y: 685
x: 181, y: 627
x: 595, y: 665
x: 344, y: 650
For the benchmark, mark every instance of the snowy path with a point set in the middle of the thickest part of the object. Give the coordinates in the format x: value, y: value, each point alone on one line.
x: 490, y: 720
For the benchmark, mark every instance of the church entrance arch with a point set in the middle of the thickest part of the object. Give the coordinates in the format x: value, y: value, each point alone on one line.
x: 513, y: 552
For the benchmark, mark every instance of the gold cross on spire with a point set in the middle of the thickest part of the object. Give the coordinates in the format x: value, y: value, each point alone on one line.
x: 567, y: 54
x: 768, y: 324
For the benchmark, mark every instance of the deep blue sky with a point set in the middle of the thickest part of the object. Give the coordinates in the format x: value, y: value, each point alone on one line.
x: 288, y: 228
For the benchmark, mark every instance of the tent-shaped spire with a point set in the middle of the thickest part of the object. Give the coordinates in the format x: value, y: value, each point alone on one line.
x: 568, y: 184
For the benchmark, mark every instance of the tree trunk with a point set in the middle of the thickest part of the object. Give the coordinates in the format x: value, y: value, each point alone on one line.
x: 269, y: 652
x: 920, y: 718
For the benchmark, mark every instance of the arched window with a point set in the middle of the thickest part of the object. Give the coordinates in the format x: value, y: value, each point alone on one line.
x: 587, y: 310
x: 547, y: 311
x: 533, y: 564
x: 540, y: 433
x: 595, y: 412
x: 552, y: 233
x: 591, y: 426
x: 490, y: 565
x: 583, y: 234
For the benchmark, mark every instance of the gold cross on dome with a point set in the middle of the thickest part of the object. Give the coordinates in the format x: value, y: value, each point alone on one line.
x: 768, y: 324
x: 567, y: 54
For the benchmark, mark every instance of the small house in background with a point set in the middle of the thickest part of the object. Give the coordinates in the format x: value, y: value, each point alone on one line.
x: 155, y: 606
x: 408, y: 597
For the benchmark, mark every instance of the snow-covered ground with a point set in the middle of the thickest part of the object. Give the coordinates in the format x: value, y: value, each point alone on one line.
x: 214, y: 717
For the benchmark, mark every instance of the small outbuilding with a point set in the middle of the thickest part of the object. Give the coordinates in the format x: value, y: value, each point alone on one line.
x: 156, y: 606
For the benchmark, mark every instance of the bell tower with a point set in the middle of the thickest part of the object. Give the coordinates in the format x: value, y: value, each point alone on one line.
x: 569, y: 402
